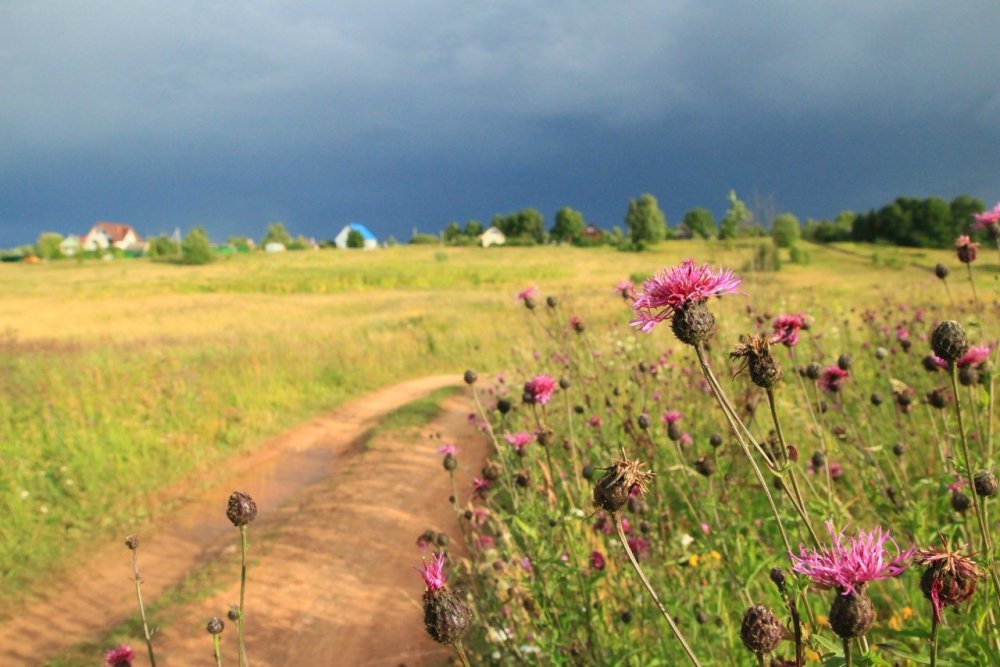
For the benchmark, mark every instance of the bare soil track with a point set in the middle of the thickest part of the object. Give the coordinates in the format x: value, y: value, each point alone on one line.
x: 331, y: 579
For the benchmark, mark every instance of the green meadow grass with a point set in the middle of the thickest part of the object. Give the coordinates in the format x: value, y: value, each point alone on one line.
x: 118, y: 379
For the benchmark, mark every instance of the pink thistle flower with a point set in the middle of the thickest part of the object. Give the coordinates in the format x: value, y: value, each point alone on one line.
x: 832, y: 378
x: 594, y: 422
x: 480, y: 486
x: 447, y: 448
x: 966, y: 249
x: 686, y: 439
x: 957, y: 485
x: 675, y: 288
x: 576, y: 324
x: 626, y: 526
x: 526, y: 564
x: 786, y: 329
x: 976, y: 355
x: 849, y: 563
x: 597, y: 561
x: 433, y: 573
x: 625, y: 288
x: 526, y: 294
x: 671, y: 417
x: 484, y: 542
x: 540, y: 389
x: 519, y: 440
x: 705, y: 528
x: 639, y: 547
x: 120, y: 656
x: 902, y: 333
x: 986, y: 218
x: 603, y: 525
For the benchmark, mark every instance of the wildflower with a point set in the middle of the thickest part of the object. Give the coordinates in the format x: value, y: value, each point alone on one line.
x: 480, y: 486
x: 949, y: 578
x: 966, y: 249
x: 446, y: 617
x: 624, y: 288
x: 470, y: 377
x: 447, y: 449
x: 985, y: 483
x: 594, y: 422
x: 941, y: 271
x: 679, y: 295
x: 989, y: 220
x: 576, y: 324
x: 832, y: 378
x: 760, y: 631
x: 786, y: 329
x: 613, y: 490
x: 597, y: 561
x: 976, y: 355
x: 120, y: 656
x: 241, y: 509
x: 526, y: 294
x: 526, y: 564
x: 539, y: 389
x: 519, y: 440
x: 639, y: 547
x: 949, y: 341
x: 848, y: 565
x: 671, y: 417
x: 754, y: 354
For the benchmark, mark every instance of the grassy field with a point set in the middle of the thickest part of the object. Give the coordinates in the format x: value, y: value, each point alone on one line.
x: 119, y: 378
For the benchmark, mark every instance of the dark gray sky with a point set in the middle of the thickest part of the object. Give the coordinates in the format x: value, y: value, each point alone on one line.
x: 404, y: 114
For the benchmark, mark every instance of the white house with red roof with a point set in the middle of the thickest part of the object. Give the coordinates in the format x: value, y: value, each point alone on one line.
x: 104, y: 235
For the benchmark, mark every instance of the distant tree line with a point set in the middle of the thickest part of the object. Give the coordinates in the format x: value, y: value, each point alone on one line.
x: 922, y: 223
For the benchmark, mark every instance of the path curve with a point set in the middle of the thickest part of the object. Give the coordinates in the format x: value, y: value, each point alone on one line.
x: 280, y: 472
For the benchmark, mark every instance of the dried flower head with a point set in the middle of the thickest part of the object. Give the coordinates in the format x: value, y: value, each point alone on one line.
x: 677, y: 289
x: 949, y: 578
x: 446, y: 617
x: 132, y: 542
x: 949, y: 341
x: 966, y: 249
x: 241, y: 509
x: 754, y: 355
x: 120, y: 656
x: 849, y: 563
x: 615, y: 487
x: 215, y: 626
x: 760, y: 630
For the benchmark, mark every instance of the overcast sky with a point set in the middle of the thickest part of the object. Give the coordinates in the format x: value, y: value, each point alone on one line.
x: 409, y: 114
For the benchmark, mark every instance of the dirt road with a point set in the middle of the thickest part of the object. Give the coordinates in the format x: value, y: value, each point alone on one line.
x: 331, y: 581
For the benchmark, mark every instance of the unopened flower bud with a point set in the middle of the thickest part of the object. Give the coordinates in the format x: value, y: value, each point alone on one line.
x: 470, y: 376
x: 851, y: 615
x: 234, y: 613
x: 132, y: 542
x: 241, y: 509
x: 564, y: 382
x: 985, y: 483
x: 215, y: 626
x: 715, y: 440
x: 960, y: 502
x: 551, y: 301
x: 643, y: 421
x: 941, y: 271
x: 844, y: 362
x: 503, y: 406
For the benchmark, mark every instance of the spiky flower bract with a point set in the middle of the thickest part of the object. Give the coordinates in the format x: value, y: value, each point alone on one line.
x: 754, y: 354
x: 671, y: 290
x: 949, y: 578
x: 539, y: 389
x: 614, y: 489
x: 850, y: 562
x: 120, y: 656
x: 966, y: 249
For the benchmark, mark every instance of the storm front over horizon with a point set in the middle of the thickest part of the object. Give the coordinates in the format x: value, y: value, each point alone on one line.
x: 406, y: 116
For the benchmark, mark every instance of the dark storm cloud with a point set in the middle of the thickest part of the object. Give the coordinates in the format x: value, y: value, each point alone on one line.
x: 408, y: 114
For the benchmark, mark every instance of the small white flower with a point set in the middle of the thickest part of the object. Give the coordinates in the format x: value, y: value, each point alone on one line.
x: 24, y: 494
x: 686, y: 540
x: 44, y: 509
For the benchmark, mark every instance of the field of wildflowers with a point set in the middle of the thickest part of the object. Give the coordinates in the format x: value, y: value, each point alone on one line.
x: 726, y: 482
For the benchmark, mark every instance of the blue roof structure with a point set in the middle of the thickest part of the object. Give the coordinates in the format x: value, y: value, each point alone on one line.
x: 364, y: 231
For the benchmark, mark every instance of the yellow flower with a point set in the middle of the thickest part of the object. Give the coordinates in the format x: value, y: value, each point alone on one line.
x: 821, y: 620
x: 693, y: 560
x: 895, y: 623
x: 716, y: 556
x: 907, y: 613
x: 812, y: 656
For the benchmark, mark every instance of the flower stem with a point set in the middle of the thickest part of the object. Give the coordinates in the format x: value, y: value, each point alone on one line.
x: 934, y: 639
x: 652, y: 593
x: 977, y: 500
x: 461, y: 653
x: 217, y: 646
x: 799, y: 503
x: 848, y: 658
x: 243, y: 587
x: 142, y: 610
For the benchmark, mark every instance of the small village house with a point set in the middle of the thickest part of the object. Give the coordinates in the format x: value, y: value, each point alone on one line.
x: 104, y: 235
x: 70, y: 246
x: 369, y: 239
x: 492, y: 236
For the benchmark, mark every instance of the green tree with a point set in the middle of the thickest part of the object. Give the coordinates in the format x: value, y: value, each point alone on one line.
x: 276, y: 233
x: 738, y: 218
x: 785, y: 230
x: 526, y: 224
x: 701, y: 222
x: 47, y: 245
x: 569, y: 225
x: 962, y: 207
x: 645, y: 221
x: 196, y: 248
x: 355, y: 239
x: 451, y: 232
x: 161, y: 247
x: 473, y: 228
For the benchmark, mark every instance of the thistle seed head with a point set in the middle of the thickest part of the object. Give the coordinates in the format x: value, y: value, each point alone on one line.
x: 241, y: 509
x: 693, y: 323
x: 754, y: 355
x: 613, y: 490
x: 760, y: 631
x: 949, y: 341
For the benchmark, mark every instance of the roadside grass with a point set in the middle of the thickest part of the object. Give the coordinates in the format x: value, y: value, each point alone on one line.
x: 118, y: 379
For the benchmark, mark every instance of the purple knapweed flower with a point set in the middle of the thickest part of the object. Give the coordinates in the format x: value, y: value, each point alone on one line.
x: 849, y: 563
x: 966, y: 249
x: 832, y: 378
x: 120, y: 656
x: 671, y: 417
x: 526, y: 294
x: 519, y: 440
x: 671, y: 289
x: 639, y: 547
x: 986, y: 218
x: 447, y: 448
x: 976, y: 355
x: 540, y: 389
x: 597, y: 561
x: 624, y: 288
x: 433, y: 573
x: 786, y: 329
